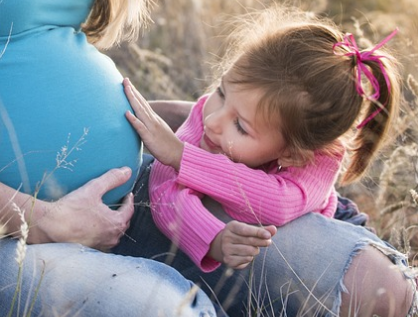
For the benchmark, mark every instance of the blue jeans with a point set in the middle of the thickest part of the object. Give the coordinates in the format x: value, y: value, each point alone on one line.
x: 301, y: 272
x: 72, y: 280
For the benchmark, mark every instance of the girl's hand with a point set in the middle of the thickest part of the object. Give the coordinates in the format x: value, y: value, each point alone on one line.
x: 81, y: 216
x: 157, y: 136
x: 238, y: 243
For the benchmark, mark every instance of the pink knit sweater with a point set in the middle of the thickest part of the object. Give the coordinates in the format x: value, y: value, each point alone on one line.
x: 250, y: 195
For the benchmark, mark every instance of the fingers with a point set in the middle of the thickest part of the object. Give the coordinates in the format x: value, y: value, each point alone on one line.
x: 239, y: 263
x: 119, y: 221
x: 138, y: 103
x: 126, y: 210
x: 246, y: 230
x: 239, y: 256
x: 127, y: 84
x: 110, y: 180
x: 137, y: 124
x: 87, y: 219
x: 130, y: 90
x: 272, y: 229
x: 145, y: 121
x: 241, y: 242
x: 244, y: 250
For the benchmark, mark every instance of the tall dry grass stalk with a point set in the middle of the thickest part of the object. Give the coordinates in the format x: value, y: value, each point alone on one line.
x: 24, y: 232
x: 412, y: 85
x: 20, y: 253
x: 3, y: 230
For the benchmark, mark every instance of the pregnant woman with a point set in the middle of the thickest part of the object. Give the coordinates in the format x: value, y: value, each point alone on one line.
x: 62, y: 124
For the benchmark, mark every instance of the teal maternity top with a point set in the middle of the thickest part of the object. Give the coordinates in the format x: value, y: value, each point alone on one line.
x: 62, y: 103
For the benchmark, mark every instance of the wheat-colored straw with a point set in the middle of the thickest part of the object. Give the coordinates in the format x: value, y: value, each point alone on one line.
x: 3, y: 230
x: 24, y: 231
x: 412, y: 85
x: 414, y: 195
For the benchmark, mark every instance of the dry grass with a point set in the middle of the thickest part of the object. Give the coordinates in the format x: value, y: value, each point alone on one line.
x: 173, y: 61
x: 3, y: 230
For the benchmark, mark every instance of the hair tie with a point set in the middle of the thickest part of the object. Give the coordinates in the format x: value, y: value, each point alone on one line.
x: 360, y: 57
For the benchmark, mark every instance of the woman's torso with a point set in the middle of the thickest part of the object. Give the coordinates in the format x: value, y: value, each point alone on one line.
x: 61, y: 102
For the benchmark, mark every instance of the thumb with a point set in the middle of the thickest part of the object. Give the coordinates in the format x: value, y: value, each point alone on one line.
x: 111, y: 179
x: 272, y: 229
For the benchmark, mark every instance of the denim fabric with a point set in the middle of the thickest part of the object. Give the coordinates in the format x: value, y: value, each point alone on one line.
x: 71, y: 280
x: 301, y: 272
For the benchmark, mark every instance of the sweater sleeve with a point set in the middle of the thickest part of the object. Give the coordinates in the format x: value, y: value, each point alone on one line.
x: 179, y: 213
x: 177, y: 210
x: 256, y: 196
x: 248, y: 195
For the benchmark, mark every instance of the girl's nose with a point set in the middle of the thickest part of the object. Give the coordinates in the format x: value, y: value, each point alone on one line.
x: 213, y: 122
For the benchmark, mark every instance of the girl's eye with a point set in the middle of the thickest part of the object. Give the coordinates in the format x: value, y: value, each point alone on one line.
x: 220, y: 92
x: 239, y: 128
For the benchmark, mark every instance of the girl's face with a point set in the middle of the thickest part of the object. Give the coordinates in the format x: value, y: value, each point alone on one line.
x: 232, y: 128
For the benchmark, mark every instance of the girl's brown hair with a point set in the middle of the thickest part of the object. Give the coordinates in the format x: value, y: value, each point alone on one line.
x: 113, y: 21
x: 289, y: 54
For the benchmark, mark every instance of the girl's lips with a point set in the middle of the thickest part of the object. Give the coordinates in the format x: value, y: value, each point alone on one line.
x: 209, y: 143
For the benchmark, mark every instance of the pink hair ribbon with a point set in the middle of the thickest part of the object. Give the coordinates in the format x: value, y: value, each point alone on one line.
x: 350, y: 45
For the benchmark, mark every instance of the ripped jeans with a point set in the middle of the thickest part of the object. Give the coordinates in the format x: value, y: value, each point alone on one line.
x: 68, y: 279
x: 301, y: 273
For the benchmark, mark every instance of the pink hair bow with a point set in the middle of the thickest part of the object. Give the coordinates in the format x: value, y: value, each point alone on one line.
x: 350, y: 45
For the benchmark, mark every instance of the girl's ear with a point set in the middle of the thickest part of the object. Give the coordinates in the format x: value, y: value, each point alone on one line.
x: 285, y: 159
x: 295, y: 159
x: 283, y: 162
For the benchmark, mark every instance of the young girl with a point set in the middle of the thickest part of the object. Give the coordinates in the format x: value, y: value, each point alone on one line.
x: 269, y: 141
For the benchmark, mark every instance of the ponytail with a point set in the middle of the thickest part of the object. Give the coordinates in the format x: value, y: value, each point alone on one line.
x: 379, y: 117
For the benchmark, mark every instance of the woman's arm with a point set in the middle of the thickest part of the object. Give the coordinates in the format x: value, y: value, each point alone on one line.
x: 79, y: 217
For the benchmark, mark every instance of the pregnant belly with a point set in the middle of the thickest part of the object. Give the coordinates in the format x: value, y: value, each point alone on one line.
x: 62, y: 110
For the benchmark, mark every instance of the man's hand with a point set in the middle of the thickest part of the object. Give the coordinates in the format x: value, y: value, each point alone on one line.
x: 82, y: 217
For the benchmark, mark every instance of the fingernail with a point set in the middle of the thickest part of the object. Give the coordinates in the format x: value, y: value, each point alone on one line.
x: 126, y: 170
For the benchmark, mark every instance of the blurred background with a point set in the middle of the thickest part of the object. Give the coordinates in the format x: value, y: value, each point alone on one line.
x: 174, y: 57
